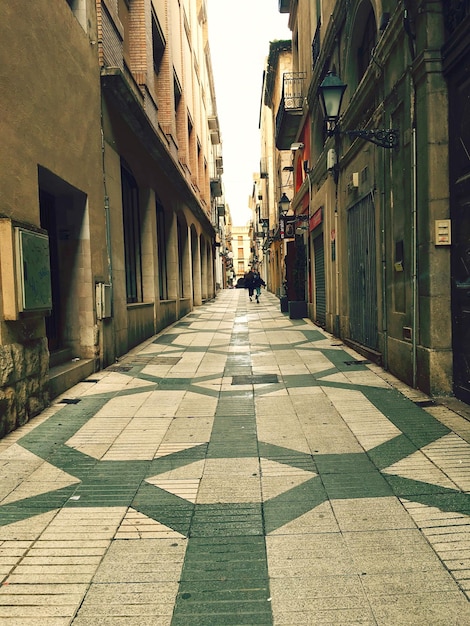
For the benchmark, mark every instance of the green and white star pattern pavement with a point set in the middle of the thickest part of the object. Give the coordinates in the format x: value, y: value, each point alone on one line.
x: 239, y: 468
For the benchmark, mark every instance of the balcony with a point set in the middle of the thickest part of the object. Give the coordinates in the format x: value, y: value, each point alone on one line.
x: 216, y: 188
x: 290, y: 110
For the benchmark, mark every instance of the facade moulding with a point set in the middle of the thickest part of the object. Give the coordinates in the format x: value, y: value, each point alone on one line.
x: 335, y: 23
x: 428, y: 62
x: 388, y: 42
x: 115, y: 84
x: 276, y: 48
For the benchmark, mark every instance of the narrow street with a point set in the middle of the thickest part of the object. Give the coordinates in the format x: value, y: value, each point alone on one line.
x: 238, y: 468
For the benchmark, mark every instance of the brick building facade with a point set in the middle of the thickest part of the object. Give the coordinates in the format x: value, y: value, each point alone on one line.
x: 112, y: 172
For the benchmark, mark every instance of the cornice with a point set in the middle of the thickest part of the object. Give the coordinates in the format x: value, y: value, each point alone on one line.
x: 427, y: 62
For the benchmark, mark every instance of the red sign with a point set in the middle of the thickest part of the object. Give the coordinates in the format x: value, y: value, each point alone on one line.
x: 316, y: 218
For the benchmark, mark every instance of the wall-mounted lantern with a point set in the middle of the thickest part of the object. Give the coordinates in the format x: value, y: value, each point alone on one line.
x: 331, y: 92
x: 283, y: 206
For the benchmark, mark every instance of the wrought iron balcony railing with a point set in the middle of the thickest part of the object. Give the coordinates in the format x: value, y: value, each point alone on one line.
x: 290, y: 108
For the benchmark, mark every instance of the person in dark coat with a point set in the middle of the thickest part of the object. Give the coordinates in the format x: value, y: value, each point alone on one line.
x: 249, y: 276
x: 258, y: 282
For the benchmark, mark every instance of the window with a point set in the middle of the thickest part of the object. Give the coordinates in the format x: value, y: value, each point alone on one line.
x: 161, y: 240
x: 369, y: 39
x: 78, y: 8
x: 158, y: 43
x: 180, y: 259
x: 316, y: 45
x: 177, y: 90
x: 132, y: 244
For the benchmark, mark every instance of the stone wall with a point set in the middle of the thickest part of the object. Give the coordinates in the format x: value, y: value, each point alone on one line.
x: 23, y: 382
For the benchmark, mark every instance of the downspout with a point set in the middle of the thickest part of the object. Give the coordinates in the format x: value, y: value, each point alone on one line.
x: 414, y: 225
x: 309, y: 292
x: 108, y: 245
x: 383, y: 246
x: 408, y: 27
x: 106, y: 212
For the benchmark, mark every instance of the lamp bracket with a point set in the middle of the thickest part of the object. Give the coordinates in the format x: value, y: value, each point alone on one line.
x: 385, y: 138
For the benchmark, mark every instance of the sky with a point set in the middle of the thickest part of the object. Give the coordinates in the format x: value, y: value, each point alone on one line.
x: 239, y: 36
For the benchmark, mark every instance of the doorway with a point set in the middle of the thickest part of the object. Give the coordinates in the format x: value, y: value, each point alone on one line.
x: 63, y: 215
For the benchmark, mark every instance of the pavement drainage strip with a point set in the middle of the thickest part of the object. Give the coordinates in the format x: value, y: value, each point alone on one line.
x: 425, y: 403
x: 160, y: 360
x: 363, y: 362
x: 257, y: 379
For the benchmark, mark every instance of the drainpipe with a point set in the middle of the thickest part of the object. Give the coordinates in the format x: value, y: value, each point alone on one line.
x: 309, y: 292
x: 109, y: 258
x: 106, y: 213
x: 383, y: 246
x: 414, y: 235
x: 409, y: 30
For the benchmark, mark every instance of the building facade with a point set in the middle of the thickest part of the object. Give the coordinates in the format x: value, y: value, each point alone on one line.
x: 276, y: 171
x: 242, y: 238
x: 372, y: 214
x: 111, y: 186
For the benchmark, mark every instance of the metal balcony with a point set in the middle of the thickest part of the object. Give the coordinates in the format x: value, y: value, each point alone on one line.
x: 290, y: 109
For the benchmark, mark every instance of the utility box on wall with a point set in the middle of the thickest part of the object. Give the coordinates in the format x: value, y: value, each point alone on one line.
x: 25, y: 270
x: 33, y: 271
x: 103, y: 301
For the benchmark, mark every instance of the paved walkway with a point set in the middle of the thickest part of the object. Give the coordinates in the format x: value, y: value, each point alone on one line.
x: 239, y: 468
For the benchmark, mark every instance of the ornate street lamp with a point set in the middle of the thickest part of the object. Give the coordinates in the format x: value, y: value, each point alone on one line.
x: 331, y: 93
x: 265, y: 226
x: 283, y: 206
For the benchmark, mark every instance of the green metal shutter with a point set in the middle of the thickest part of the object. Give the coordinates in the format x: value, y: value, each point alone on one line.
x: 320, y: 287
x: 362, y: 277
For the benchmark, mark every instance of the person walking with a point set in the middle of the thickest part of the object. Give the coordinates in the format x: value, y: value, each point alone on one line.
x: 249, y: 284
x: 258, y: 282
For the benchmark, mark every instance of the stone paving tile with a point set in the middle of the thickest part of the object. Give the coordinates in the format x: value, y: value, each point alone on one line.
x: 314, y: 555
x: 224, y: 581
x: 320, y: 519
x: 142, y: 561
x: 136, y: 525
x: 438, y: 609
x: 129, y: 603
x: 137, y: 581
x: 396, y: 550
x: 368, y: 424
x: 449, y: 535
x: 419, y: 467
x: 277, y: 478
x: 371, y: 514
x: 452, y: 454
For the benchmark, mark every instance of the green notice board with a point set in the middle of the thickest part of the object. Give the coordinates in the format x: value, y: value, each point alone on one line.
x: 34, y: 271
